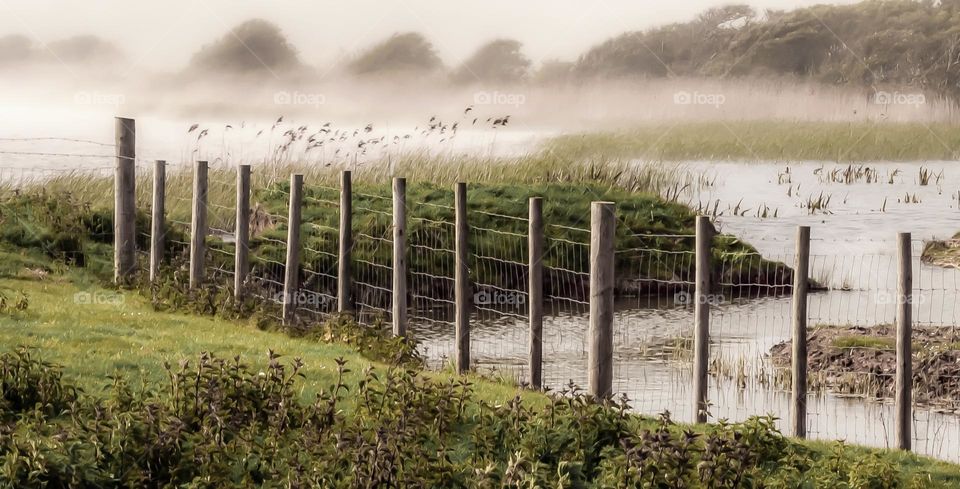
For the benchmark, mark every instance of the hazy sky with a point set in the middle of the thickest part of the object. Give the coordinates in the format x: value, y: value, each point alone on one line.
x: 163, y: 34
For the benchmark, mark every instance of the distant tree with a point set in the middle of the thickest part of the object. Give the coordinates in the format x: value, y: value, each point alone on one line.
x: 16, y: 48
x: 252, y: 47
x: 81, y: 49
x: 554, y: 72
x: 407, y: 52
x: 500, y: 61
x: 912, y: 43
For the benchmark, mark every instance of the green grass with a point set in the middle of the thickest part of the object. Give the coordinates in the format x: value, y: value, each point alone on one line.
x: 860, y: 341
x: 130, y: 339
x: 767, y: 140
x: 93, y: 342
x: 96, y: 341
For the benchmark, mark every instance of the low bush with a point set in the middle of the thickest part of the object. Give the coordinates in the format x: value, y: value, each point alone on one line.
x: 217, y: 423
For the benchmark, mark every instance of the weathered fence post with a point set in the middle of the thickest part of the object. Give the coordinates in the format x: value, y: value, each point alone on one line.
x: 462, y: 295
x: 399, y: 257
x: 291, y: 280
x: 535, y: 290
x: 157, y: 213
x: 904, y: 382
x: 798, y: 398
x: 701, y: 307
x: 602, y: 281
x: 346, y: 242
x: 242, y: 232
x: 198, y: 224
x: 124, y: 211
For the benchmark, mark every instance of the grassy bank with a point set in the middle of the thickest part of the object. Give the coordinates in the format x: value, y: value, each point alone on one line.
x: 767, y: 140
x: 163, y: 401
x: 654, y: 237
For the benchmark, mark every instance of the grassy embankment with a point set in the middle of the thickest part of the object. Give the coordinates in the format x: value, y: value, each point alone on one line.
x: 768, y: 140
x: 496, y: 190
x: 206, y: 423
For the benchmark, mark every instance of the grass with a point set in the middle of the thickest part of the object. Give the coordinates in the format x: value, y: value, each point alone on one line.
x: 767, y: 140
x: 129, y: 339
x: 126, y: 337
x: 860, y: 341
x: 654, y: 237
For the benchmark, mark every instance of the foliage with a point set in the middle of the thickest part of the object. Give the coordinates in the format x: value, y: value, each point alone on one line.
x: 217, y: 422
x: 499, y: 61
x: 869, y: 44
x: 406, y: 52
x: 253, y: 46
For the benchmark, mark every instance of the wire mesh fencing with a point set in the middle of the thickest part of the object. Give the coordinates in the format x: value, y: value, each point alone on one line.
x: 851, y: 309
x: 498, y: 270
x: 320, y: 237
x: 653, y: 326
x: 372, y: 257
x: 566, y: 269
x: 431, y: 242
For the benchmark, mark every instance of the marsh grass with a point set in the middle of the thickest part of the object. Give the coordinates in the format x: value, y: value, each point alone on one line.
x: 768, y: 140
x: 496, y: 188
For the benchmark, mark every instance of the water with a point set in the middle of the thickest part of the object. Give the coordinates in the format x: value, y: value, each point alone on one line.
x: 853, y: 255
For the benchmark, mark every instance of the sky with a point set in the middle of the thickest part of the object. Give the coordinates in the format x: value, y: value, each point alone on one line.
x: 162, y: 35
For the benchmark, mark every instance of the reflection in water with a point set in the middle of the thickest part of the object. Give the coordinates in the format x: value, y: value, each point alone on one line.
x: 852, y: 257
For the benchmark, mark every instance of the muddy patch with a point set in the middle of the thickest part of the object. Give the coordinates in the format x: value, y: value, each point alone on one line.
x: 862, y: 362
x: 944, y: 253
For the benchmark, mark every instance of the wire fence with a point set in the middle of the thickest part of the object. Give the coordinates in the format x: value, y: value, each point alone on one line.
x: 851, y: 309
x: 432, y: 238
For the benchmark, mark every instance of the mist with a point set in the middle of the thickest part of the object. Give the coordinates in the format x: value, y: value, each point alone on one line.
x: 397, y: 67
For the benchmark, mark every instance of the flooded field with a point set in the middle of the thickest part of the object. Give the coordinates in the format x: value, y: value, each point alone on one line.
x: 852, y: 256
x: 854, y: 211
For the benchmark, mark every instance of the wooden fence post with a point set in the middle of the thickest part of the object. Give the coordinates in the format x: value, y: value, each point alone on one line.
x: 462, y: 296
x: 125, y: 202
x: 801, y: 273
x: 157, y: 213
x: 242, y: 232
x: 399, y: 257
x: 346, y: 242
x: 198, y: 224
x: 904, y: 382
x: 701, y: 339
x: 603, y: 226
x: 291, y: 281
x: 535, y: 289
